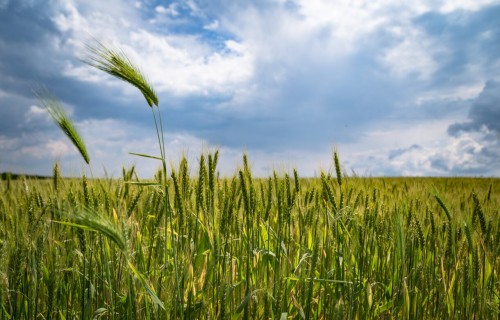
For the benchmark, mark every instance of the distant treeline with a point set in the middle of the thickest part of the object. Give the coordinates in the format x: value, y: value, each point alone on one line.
x: 14, y: 176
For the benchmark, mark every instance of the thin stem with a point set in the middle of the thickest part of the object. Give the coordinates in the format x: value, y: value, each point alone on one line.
x: 160, y: 144
x: 168, y: 212
x: 162, y: 133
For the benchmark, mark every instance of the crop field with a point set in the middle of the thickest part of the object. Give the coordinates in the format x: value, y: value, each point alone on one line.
x: 207, y: 247
x: 189, y: 244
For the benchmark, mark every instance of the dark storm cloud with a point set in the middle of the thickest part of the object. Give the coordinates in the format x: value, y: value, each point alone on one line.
x: 484, y: 112
x: 25, y: 55
x: 470, y: 38
x: 26, y: 60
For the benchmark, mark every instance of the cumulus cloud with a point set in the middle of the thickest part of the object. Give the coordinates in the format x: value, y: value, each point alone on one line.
x: 478, y: 138
x: 176, y: 63
x: 387, y: 151
x: 183, y: 66
x: 34, y: 113
x: 464, y: 155
x: 465, y: 148
x: 412, y: 55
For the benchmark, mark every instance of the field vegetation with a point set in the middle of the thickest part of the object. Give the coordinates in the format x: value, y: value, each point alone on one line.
x: 282, y: 247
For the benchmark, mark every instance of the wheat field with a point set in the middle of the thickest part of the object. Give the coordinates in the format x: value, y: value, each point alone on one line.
x: 240, y: 247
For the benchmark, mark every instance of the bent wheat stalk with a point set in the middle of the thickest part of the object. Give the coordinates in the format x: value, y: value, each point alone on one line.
x: 87, y: 219
x: 62, y: 120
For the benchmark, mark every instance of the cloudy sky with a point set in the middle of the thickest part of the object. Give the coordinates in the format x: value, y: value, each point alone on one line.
x: 398, y: 88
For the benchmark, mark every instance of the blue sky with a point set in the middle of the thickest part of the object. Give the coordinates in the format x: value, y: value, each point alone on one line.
x: 397, y: 88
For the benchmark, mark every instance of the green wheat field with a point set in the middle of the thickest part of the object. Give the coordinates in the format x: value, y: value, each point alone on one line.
x: 247, y: 248
x: 189, y: 244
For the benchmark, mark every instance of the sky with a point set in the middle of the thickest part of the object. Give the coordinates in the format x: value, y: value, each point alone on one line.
x: 398, y: 88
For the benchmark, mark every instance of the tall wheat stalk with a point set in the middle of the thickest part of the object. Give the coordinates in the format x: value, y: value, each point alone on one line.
x: 116, y: 63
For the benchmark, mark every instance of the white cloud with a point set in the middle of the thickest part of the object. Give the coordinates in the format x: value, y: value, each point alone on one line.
x: 347, y: 21
x: 70, y: 19
x: 50, y: 149
x: 412, y: 55
x: 35, y: 112
x: 214, y: 25
x: 276, y: 40
x: 7, y: 143
x: 468, y: 5
x: 80, y: 20
x: 370, y: 154
x: 281, y: 40
x: 419, y: 149
x: 183, y: 65
x: 83, y: 72
x: 279, y: 36
x: 38, y: 155
x: 160, y: 9
x: 458, y: 153
x: 463, y: 92
x: 171, y: 10
x: 58, y: 148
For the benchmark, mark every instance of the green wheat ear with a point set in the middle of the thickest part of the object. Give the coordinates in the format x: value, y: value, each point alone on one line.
x: 116, y: 63
x: 62, y: 120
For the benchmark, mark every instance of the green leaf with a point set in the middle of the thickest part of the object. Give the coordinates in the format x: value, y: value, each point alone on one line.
x: 61, y: 315
x: 144, y: 184
x: 89, y: 219
x: 146, y: 156
x: 328, y: 281
x: 148, y: 288
x: 71, y: 224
